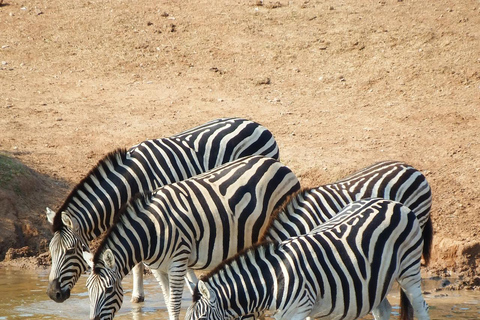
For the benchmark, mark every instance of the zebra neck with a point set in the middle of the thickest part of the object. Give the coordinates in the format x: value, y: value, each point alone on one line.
x: 98, y: 198
x: 304, y: 211
x: 248, y: 284
x: 129, y: 244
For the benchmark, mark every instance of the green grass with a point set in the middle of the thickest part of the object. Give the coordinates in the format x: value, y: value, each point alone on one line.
x: 10, y: 169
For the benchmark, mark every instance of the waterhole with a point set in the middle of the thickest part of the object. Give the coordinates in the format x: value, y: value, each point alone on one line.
x: 22, y: 296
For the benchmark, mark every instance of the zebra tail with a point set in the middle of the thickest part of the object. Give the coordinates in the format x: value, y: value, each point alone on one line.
x: 427, y: 241
x: 406, y: 309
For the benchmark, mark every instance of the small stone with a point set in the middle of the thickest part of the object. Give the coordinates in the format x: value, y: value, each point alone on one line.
x: 444, y: 283
x: 264, y: 81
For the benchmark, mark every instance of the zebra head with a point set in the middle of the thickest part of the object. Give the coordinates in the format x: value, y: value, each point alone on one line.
x: 205, y: 304
x: 66, y: 249
x: 104, y: 286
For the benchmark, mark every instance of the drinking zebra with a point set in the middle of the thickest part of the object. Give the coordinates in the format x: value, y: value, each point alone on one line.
x: 388, y: 179
x: 342, y: 269
x: 89, y: 209
x: 196, y: 223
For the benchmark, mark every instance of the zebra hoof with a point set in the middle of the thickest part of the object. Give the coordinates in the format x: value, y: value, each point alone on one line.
x: 137, y: 299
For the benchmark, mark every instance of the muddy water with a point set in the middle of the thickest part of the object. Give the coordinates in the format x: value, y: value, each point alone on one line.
x: 22, y: 296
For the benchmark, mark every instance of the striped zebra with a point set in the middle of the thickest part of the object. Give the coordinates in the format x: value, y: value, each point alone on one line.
x: 89, y: 209
x: 196, y: 223
x: 342, y: 269
x: 388, y: 179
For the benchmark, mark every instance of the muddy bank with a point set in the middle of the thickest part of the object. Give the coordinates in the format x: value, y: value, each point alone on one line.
x: 24, y: 194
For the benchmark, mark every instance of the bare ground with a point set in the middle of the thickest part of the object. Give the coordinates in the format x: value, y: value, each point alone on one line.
x: 341, y: 84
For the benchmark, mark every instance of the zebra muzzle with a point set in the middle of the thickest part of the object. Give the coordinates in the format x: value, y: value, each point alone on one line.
x: 54, y: 291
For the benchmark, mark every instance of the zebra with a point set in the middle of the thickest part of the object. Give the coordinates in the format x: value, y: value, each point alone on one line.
x: 342, y: 269
x: 195, y: 223
x: 89, y: 209
x: 392, y: 180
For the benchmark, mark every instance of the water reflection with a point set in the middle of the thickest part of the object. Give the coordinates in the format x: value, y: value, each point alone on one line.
x: 22, y: 296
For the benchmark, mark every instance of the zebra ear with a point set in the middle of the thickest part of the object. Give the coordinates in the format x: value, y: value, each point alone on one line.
x: 50, y: 215
x: 109, y: 259
x: 88, y: 257
x: 205, y: 291
x: 69, y: 222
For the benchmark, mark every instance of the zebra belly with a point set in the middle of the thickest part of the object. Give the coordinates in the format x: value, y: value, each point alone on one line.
x: 323, y: 305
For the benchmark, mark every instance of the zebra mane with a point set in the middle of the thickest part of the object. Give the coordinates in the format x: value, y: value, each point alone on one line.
x: 276, y: 214
x: 130, y: 205
x: 114, y: 158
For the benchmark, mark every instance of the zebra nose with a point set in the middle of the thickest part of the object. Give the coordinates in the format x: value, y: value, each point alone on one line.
x: 55, y: 292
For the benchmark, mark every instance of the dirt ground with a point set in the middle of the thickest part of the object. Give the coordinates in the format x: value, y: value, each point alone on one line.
x: 341, y: 84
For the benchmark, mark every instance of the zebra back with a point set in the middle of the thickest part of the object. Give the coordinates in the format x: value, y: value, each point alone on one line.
x: 342, y: 269
x: 202, y: 148
x: 392, y: 180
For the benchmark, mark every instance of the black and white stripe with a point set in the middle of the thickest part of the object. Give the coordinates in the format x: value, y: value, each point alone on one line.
x: 343, y: 269
x: 89, y: 209
x: 388, y: 179
x: 192, y: 224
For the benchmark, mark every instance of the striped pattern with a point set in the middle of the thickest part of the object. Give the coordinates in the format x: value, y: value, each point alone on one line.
x: 90, y: 208
x: 65, y: 240
x: 343, y: 269
x: 196, y: 223
x: 106, y: 278
x: 389, y: 179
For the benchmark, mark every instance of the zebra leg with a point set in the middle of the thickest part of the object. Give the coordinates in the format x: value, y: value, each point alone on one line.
x: 254, y: 316
x: 162, y: 279
x: 191, y: 280
x: 411, y: 286
x: 138, y: 294
x: 382, y: 311
x: 300, y: 316
x: 415, y: 296
x: 176, y: 274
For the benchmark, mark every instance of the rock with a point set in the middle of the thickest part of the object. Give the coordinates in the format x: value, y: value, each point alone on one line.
x: 264, y: 81
x: 17, y: 253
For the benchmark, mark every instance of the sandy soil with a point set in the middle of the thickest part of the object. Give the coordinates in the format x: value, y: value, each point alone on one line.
x: 341, y: 84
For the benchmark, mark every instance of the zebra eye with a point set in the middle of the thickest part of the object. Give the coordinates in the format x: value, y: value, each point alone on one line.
x: 70, y: 251
x: 109, y: 290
